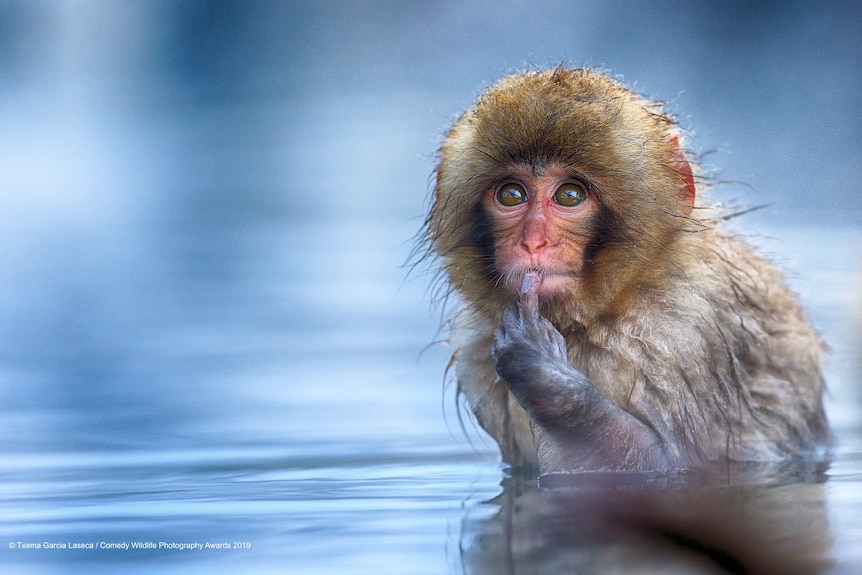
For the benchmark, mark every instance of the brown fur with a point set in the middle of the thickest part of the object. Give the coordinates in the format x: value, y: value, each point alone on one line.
x: 674, y: 320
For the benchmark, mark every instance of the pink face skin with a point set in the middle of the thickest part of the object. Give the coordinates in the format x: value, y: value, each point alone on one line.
x: 540, y: 226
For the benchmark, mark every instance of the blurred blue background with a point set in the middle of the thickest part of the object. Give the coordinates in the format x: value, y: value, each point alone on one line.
x: 207, y: 328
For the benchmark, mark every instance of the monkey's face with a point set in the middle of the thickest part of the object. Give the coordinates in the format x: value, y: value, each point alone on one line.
x: 568, y: 174
x: 541, y: 221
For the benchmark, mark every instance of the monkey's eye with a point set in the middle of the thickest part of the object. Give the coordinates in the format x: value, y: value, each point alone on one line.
x: 512, y: 194
x: 570, y: 195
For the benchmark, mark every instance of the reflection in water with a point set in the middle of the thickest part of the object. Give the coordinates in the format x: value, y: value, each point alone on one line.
x: 753, y: 521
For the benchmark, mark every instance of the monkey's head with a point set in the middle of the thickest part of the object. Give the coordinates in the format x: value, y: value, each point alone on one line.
x: 566, y: 173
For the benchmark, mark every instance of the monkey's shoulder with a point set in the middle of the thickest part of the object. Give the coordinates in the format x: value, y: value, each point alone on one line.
x: 726, y: 319
x: 746, y: 290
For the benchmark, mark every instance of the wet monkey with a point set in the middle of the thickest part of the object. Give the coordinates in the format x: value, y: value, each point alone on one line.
x: 607, y: 320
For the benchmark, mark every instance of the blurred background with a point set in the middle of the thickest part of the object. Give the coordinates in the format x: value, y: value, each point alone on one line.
x: 206, y: 214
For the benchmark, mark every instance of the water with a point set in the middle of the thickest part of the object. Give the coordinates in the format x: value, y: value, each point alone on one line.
x: 206, y: 334
x: 311, y: 435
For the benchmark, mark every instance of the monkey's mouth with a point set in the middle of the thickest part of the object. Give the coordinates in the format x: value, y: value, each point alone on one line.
x: 545, y: 283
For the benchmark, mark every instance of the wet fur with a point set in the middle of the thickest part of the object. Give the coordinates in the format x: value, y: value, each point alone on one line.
x: 675, y: 321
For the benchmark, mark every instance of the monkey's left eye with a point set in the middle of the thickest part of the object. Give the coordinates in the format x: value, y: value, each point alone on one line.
x: 512, y: 195
x: 570, y: 195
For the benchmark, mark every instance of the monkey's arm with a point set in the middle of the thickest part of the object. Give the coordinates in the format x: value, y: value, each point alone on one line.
x: 577, y: 428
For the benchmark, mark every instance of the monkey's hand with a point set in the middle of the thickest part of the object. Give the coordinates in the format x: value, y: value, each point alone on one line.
x: 530, y: 356
x: 577, y: 428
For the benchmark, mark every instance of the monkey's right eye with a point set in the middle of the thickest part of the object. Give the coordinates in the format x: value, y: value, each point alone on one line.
x: 512, y: 194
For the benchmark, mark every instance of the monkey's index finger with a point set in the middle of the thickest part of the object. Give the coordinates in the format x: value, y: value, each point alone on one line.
x: 530, y: 294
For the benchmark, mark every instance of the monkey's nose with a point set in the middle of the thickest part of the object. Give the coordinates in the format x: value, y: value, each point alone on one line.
x: 535, y: 242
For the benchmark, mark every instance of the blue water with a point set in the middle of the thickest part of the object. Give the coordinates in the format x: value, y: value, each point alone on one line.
x: 314, y: 435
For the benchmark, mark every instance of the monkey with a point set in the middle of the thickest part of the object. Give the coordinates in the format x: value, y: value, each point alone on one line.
x: 606, y: 319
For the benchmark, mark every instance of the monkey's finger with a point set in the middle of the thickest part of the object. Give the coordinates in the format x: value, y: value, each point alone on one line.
x: 530, y: 295
x: 511, y: 317
x: 499, y: 338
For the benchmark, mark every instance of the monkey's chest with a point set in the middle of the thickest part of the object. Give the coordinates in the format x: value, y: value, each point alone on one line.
x: 625, y: 379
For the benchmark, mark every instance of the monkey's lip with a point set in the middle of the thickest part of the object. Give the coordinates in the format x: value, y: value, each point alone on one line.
x: 546, y: 283
x: 542, y: 275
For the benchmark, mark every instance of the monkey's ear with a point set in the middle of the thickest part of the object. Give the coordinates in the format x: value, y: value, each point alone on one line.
x: 683, y: 168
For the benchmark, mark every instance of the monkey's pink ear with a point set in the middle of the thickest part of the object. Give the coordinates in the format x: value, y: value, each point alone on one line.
x: 683, y: 168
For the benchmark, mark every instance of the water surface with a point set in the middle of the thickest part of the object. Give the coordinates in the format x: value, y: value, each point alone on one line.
x: 316, y: 436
